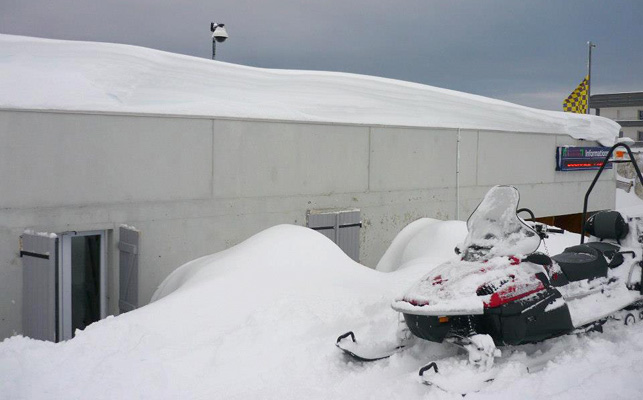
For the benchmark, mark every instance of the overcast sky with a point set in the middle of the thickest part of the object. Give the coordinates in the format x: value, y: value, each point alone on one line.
x: 528, y: 52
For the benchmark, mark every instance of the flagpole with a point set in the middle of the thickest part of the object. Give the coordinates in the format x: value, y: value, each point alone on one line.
x: 589, y: 72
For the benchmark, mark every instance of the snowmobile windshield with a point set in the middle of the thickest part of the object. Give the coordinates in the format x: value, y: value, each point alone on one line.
x: 495, y: 229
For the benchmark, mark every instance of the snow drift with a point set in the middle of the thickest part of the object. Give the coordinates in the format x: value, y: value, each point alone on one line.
x: 426, y: 240
x: 84, y: 76
x: 260, y: 321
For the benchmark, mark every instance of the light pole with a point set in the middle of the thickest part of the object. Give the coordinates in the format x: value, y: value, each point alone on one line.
x: 219, y: 34
x: 590, y: 45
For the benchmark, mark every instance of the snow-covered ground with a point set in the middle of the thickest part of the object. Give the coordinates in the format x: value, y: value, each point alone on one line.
x: 65, y: 75
x: 260, y: 320
x: 629, y: 202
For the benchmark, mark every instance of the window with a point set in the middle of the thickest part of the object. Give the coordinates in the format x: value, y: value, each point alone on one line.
x: 639, y: 136
x: 641, y: 115
x: 620, y: 134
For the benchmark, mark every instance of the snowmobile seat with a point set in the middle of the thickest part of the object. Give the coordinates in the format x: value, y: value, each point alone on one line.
x: 607, y: 225
x: 610, y: 251
x: 581, y: 262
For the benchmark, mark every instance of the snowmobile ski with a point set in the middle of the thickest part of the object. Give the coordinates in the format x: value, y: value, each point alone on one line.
x: 479, y: 370
x: 471, y: 379
x: 368, y: 352
x: 462, y: 377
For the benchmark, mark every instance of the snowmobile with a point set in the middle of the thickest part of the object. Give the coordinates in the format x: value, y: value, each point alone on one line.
x: 501, y: 291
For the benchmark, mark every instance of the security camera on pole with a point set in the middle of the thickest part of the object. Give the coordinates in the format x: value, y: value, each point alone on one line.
x: 590, y: 45
x: 219, y: 34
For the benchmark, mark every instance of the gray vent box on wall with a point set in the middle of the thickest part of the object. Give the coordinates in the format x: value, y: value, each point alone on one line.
x: 340, y: 226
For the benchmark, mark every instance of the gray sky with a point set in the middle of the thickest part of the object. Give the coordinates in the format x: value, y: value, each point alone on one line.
x: 528, y: 52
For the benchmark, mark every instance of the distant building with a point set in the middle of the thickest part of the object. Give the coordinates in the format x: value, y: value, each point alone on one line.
x: 624, y: 108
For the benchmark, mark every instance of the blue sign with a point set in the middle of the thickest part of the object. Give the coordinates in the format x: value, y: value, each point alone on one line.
x: 581, y: 158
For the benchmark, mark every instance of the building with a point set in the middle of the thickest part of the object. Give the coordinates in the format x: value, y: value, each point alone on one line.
x: 624, y: 108
x: 118, y: 164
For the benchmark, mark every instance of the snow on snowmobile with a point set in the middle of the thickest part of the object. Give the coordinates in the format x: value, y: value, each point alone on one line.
x: 501, y: 291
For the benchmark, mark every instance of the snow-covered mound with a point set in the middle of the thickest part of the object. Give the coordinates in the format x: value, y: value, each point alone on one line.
x: 256, y: 321
x: 260, y: 320
x: 66, y: 75
x: 431, y: 242
x: 629, y: 203
x: 425, y: 240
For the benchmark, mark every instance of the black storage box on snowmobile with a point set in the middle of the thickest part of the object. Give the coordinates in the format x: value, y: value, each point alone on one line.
x: 581, y: 262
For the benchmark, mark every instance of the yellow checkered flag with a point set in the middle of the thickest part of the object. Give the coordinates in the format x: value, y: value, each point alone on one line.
x: 577, y: 100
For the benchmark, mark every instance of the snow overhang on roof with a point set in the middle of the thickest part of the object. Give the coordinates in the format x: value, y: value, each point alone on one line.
x: 89, y: 76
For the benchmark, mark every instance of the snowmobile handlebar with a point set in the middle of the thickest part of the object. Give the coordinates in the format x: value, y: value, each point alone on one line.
x: 543, y: 229
x: 555, y: 230
x: 540, y: 228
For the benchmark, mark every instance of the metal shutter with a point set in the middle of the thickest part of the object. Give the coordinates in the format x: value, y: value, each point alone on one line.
x: 128, y: 268
x: 342, y: 227
x: 324, y: 224
x: 348, y: 233
x: 39, y: 255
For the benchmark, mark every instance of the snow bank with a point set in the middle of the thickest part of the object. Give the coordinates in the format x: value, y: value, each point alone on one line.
x: 629, y: 203
x: 86, y: 76
x: 256, y: 321
x: 629, y: 192
x: 426, y: 240
x: 260, y: 321
x: 430, y: 242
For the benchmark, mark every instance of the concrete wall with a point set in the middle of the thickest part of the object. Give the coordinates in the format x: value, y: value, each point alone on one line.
x: 194, y: 186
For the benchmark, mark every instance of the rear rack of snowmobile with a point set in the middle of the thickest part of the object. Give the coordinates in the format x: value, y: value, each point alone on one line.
x: 606, y: 161
x: 598, y: 174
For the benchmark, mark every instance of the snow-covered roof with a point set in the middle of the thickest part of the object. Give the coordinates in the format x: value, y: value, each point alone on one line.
x: 89, y: 76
